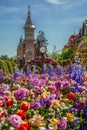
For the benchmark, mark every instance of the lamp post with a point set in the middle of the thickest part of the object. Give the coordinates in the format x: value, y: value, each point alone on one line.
x: 43, y: 51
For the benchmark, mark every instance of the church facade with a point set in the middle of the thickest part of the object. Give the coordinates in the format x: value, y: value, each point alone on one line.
x: 27, y: 46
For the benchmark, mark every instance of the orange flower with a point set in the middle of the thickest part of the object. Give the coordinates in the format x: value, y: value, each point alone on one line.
x: 70, y: 116
x: 21, y: 113
x: 24, y: 106
x: 9, y: 102
x: 71, y: 96
x: 54, y: 121
x: 24, y: 126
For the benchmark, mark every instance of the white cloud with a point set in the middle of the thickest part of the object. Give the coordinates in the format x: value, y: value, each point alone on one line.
x: 67, y: 4
x: 56, y: 2
x: 53, y: 1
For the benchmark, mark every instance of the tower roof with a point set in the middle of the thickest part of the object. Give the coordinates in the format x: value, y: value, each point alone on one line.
x: 20, y: 43
x: 29, y: 22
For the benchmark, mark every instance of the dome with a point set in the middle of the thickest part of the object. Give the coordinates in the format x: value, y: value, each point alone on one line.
x: 32, y: 26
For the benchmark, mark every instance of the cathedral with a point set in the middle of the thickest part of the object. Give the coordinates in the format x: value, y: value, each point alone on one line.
x: 27, y: 46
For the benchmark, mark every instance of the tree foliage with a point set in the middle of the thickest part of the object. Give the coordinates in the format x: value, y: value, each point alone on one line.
x: 67, y: 53
x: 41, y: 41
x: 56, y: 56
x: 66, y: 56
x: 5, y: 57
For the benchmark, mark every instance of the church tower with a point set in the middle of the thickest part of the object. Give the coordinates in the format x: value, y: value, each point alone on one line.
x: 29, y: 27
x: 26, y: 48
x: 85, y: 28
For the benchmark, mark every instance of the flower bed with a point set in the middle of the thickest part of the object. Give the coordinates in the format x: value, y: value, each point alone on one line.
x: 38, y: 102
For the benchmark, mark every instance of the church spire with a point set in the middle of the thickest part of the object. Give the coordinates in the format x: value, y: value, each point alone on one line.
x: 29, y: 10
x: 29, y: 22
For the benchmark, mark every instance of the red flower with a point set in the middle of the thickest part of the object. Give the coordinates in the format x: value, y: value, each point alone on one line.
x: 24, y: 126
x: 9, y: 102
x: 0, y: 117
x: 2, y: 104
x: 21, y: 113
x: 71, y: 96
x: 24, y: 106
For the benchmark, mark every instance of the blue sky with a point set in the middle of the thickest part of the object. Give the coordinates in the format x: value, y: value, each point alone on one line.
x: 57, y: 18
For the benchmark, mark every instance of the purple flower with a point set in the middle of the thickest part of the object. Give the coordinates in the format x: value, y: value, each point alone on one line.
x: 28, y: 71
x: 80, y: 90
x: 20, y: 93
x: 58, y: 84
x: 51, y: 97
x: 1, y: 92
x: 15, y: 120
x: 53, y: 88
x: 62, y: 125
x: 46, y: 102
x: 38, y: 90
x: 85, y: 112
x: 35, y: 105
x: 34, y: 81
x: 84, y: 127
x: 66, y: 84
x: 74, y: 123
x: 79, y: 106
x: 73, y: 110
x: 5, y: 87
x: 50, y: 70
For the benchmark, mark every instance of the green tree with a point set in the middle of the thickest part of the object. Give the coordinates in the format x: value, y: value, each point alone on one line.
x: 56, y: 56
x: 4, y: 57
x: 66, y: 55
x: 41, y: 41
x: 13, y: 58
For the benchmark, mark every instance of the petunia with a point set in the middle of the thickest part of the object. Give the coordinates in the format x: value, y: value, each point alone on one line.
x: 15, y: 120
x: 62, y: 125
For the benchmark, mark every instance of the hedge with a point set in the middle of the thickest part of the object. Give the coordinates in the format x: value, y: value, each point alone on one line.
x: 7, y: 66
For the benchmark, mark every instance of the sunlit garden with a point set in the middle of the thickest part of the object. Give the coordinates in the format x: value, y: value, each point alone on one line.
x: 55, y: 99
x: 43, y: 85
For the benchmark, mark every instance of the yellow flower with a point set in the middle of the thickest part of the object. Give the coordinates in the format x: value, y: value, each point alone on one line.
x: 55, y: 103
x: 37, y: 121
x: 50, y: 82
x: 70, y: 116
x: 54, y: 121
x: 62, y: 104
x: 45, y: 94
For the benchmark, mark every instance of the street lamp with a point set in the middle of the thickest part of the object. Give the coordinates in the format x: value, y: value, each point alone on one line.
x: 43, y: 51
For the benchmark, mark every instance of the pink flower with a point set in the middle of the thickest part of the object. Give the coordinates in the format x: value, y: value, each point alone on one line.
x: 52, y: 87
x: 15, y: 120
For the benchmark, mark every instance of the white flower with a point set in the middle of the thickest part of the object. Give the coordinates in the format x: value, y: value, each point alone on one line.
x: 42, y: 128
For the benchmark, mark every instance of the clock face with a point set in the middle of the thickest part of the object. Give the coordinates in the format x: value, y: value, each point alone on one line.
x: 42, y: 49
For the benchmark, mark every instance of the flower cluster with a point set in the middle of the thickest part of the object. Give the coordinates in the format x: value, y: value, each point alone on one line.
x: 39, y: 102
